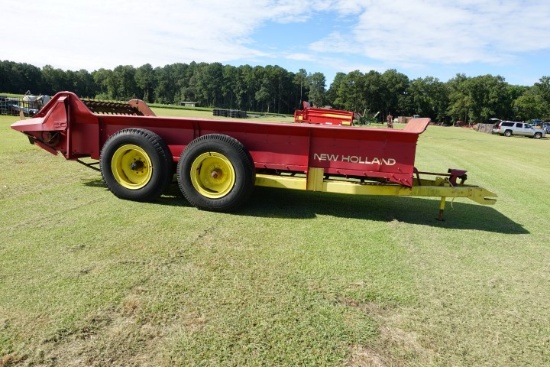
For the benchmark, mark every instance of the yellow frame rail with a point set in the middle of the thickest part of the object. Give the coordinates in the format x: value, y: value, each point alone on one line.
x: 439, y: 187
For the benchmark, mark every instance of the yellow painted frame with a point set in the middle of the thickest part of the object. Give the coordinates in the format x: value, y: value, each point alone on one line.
x: 438, y: 187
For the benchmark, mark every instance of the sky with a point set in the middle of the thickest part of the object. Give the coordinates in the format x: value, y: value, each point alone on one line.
x: 419, y: 38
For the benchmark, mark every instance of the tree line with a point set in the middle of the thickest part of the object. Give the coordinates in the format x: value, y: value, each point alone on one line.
x: 274, y: 89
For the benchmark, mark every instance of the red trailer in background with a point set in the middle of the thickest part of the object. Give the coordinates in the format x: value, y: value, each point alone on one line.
x: 325, y: 116
x: 218, y: 162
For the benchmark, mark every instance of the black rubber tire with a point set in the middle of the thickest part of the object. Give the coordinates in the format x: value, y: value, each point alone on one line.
x: 508, y: 133
x: 153, y: 148
x: 538, y: 135
x: 236, y: 163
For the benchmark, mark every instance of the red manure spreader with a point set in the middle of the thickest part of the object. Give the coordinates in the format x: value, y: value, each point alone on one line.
x: 326, y: 116
x: 217, y: 162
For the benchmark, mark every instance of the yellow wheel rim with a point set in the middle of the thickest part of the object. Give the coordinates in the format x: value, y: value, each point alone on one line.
x: 131, y: 166
x: 212, y: 175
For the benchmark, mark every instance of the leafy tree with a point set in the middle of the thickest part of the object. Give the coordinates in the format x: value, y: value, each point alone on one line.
x: 212, y: 83
x: 273, y: 83
x: 249, y: 84
x: 332, y: 93
x: 530, y: 105
x: 241, y: 87
x: 18, y: 78
x: 55, y: 80
x: 394, y: 92
x: 300, y: 79
x: 272, y: 80
x: 229, y: 87
x: 262, y: 94
x: 124, y: 81
x: 542, y: 88
x: 428, y: 97
x: 206, y: 81
x: 102, y: 79
x: 83, y: 83
x: 535, y: 101
x: 459, y: 98
x: 489, y: 97
x: 374, y: 96
x: 317, y: 88
x: 163, y: 92
x: 145, y: 82
x: 351, y: 92
x: 480, y: 98
x: 179, y: 88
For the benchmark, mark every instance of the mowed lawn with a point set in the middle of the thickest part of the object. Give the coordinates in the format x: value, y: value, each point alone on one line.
x: 292, y: 279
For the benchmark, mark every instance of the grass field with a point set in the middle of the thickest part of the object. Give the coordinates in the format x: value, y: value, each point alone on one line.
x: 292, y: 279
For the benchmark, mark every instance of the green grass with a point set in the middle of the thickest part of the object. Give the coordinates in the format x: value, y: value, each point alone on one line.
x: 292, y: 279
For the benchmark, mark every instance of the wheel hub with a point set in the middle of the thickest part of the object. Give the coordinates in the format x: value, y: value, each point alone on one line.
x: 136, y: 165
x: 216, y: 173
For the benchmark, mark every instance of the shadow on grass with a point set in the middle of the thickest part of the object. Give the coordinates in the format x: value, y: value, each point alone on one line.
x: 280, y: 203
x: 458, y: 215
x: 172, y: 196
